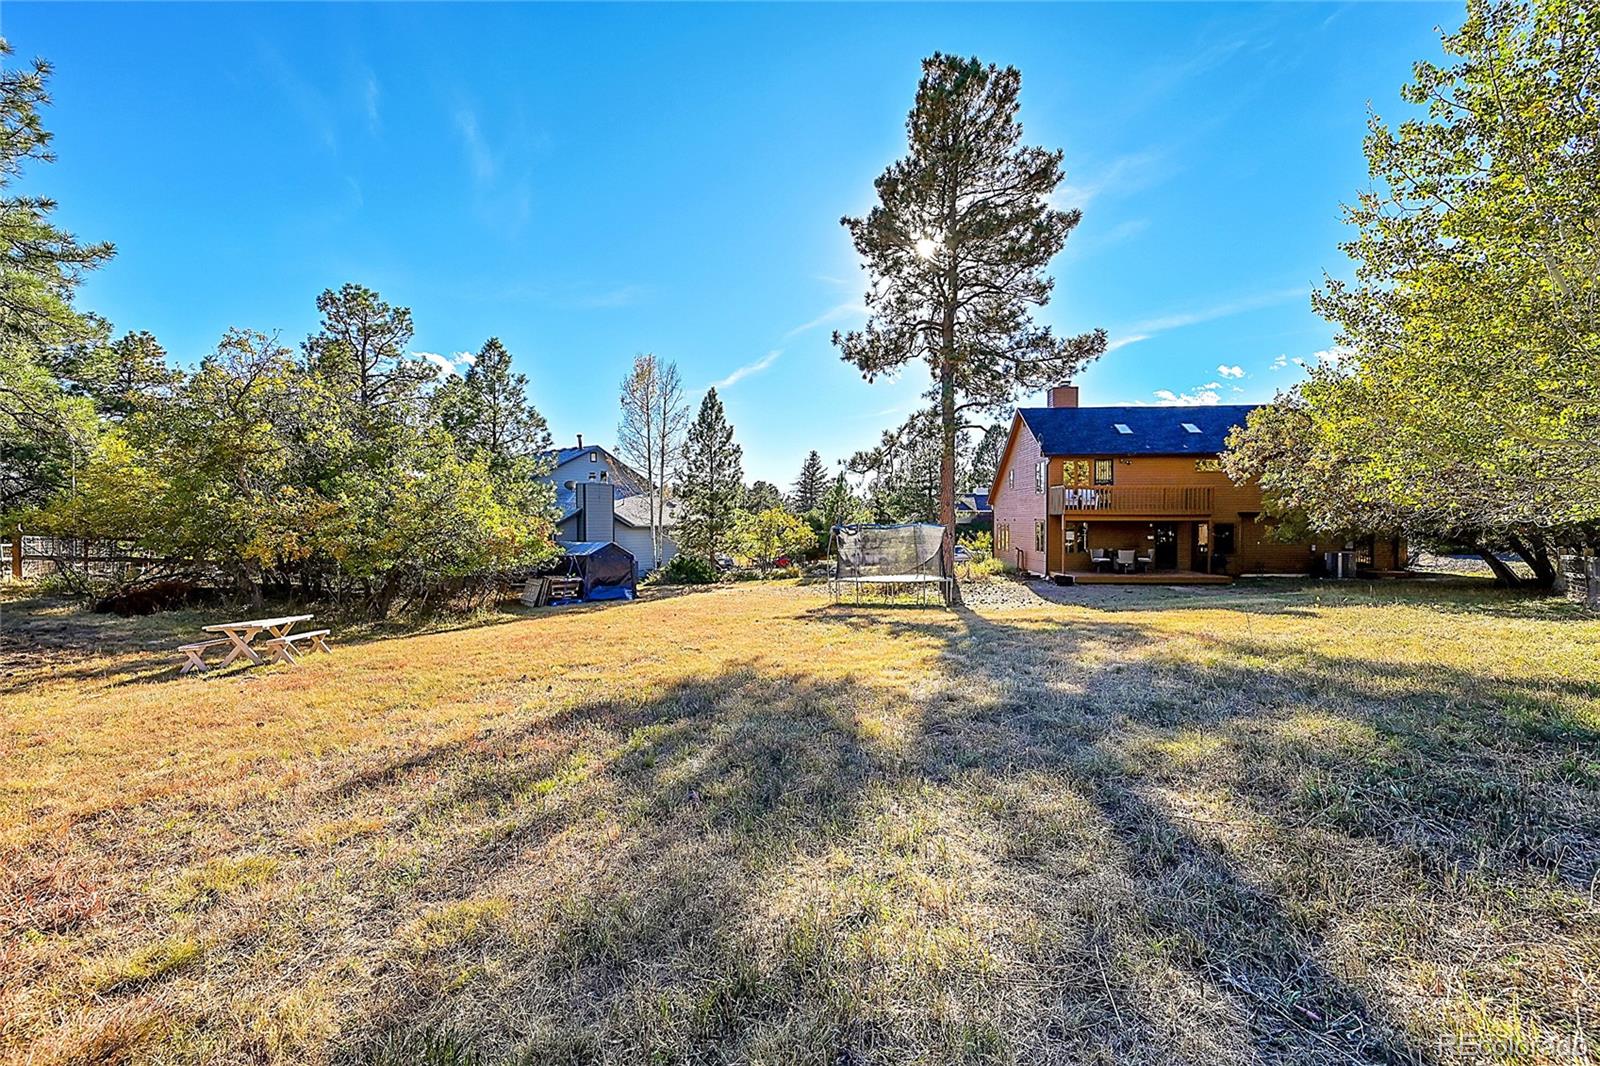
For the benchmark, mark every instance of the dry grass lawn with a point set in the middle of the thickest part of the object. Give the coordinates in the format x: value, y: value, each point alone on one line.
x: 1260, y: 824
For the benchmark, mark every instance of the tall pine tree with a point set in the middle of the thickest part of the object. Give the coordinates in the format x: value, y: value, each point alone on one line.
x: 810, y: 485
x: 956, y: 248
x: 488, y: 410
x: 713, y: 481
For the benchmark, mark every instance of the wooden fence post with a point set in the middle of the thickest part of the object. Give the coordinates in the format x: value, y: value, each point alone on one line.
x: 16, y: 556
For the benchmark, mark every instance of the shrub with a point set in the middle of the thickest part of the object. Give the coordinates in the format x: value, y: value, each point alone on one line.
x: 687, y: 570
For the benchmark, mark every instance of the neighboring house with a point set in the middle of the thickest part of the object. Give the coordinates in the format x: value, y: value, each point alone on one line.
x: 973, y: 511
x: 1080, y: 480
x: 629, y: 522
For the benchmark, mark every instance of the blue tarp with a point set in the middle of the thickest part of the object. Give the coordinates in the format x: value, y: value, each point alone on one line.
x: 604, y: 567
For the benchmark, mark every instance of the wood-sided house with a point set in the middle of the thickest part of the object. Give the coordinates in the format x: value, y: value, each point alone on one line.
x: 1077, y: 483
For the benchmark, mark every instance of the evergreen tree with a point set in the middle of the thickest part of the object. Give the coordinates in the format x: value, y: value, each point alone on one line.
x: 985, y: 463
x: 45, y: 431
x: 124, y: 375
x: 956, y: 248
x: 713, y: 481
x: 761, y: 496
x: 487, y: 410
x: 40, y: 263
x: 810, y: 485
x: 360, y: 351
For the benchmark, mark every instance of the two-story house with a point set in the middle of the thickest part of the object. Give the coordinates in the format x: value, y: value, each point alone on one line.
x: 629, y: 518
x: 1080, y: 487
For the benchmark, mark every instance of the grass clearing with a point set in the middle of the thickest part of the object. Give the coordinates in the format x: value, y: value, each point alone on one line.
x: 1268, y: 822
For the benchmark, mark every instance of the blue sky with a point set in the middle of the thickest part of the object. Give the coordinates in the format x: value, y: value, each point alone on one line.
x: 588, y: 183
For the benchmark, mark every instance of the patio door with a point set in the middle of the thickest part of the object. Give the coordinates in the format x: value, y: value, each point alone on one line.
x: 1165, y: 556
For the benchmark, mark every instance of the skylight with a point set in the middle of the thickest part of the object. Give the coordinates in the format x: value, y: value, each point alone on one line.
x: 1122, y: 427
x: 1191, y: 427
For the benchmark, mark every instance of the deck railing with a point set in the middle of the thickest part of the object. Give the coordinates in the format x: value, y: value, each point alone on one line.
x: 1132, y: 500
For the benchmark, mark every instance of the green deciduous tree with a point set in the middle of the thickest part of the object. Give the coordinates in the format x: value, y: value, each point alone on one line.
x: 1467, y: 406
x: 713, y: 481
x: 956, y: 248
x: 765, y: 536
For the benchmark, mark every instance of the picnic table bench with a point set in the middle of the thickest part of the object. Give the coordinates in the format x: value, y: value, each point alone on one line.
x: 281, y: 646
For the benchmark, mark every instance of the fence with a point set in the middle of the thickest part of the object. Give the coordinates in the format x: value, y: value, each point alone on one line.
x: 32, y: 557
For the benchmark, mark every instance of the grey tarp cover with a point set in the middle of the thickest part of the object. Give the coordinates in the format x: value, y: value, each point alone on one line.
x: 888, y: 551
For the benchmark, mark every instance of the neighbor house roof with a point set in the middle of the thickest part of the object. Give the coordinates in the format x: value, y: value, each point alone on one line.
x: 975, y: 501
x: 1091, y: 431
x: 635, y: 511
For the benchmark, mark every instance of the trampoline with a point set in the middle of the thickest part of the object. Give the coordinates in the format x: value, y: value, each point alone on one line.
x: 888, y: 561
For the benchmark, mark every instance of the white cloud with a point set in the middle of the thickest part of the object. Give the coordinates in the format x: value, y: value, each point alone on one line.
x: 1204, y: 396
x: 1141, y: 331
x: 1126, y: 173
x: 1279, y: 363
x: 1329, y: 356
x: 445, y: 364
x: 478, y: 155
x: 1122, y: 342
x: 1212, y: 385
x: 454, y: 363
x: 749, y: 368
x: 1230, y: 371
x: 832, y: 314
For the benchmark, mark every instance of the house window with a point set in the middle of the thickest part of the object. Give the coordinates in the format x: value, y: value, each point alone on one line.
x: 1003, y: 538
x: 1123, y: 428
x: 1076, y: 537
x: 1011, y: 479
x: 1038, y: 535
x: 1103, y: 469
x: 1039, y: 477
x: 1075, y: 473
x: 591, y: 475
x: 1224, y: 538
x: 592, y: 458
x: 1191, y: 427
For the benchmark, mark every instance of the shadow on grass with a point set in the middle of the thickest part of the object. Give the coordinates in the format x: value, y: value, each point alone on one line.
x: 673, y: 929
x: 981, y: 866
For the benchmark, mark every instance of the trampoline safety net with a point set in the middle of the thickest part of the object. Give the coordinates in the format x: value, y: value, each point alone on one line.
x: 883, y: 557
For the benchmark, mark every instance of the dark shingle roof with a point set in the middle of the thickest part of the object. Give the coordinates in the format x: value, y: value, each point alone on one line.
x: 1155, y: 430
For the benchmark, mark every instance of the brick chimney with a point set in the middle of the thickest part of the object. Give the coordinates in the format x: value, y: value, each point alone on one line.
x: 1062, y: 396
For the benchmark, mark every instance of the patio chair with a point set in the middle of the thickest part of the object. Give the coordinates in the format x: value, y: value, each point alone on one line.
x: 1125, y: 561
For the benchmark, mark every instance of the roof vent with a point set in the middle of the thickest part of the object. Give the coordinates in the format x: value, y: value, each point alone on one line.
x: 1191, y: 427
x: 1122, y: 427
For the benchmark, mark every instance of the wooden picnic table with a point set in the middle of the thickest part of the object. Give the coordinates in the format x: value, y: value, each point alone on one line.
x: 242, y: 633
